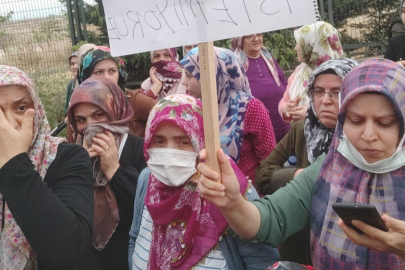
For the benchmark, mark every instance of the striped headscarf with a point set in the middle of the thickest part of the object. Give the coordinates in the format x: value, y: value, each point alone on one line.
x: 233, y: 93
x: 16, y: 252
x: 340, y: 181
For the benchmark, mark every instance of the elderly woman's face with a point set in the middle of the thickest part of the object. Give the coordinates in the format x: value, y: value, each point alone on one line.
x: 15, y: 100
x: 371, y: 126
x: 252, y: 43
x: 106, y: 68
x: 188, y: 48
x: 161, y: 55
x: 326, y: 98
x: 169, y: 135
x: 87, y: 113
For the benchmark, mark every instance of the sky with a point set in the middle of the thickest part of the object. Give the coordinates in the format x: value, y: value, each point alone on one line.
x: 27, y: 9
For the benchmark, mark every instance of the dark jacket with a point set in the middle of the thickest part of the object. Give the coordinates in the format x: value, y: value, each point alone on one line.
x: 396, y: 48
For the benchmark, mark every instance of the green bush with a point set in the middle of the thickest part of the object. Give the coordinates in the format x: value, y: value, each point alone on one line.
x: 51, y: 88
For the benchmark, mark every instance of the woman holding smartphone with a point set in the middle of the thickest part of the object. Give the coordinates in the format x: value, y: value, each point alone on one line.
x: 364, y: 165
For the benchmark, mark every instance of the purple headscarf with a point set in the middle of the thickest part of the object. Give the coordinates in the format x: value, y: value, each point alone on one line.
x: 340, y: 181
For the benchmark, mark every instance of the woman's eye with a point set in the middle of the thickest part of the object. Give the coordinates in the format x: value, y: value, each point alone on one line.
x: 22, y: 108
x: 113, y: 70
x: 385, y: 124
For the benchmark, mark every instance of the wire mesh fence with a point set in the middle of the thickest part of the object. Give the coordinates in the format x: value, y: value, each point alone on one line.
x: 34, y: 35
x: 363, y: 24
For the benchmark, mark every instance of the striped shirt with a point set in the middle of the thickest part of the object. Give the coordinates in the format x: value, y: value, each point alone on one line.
x: 214, y: 260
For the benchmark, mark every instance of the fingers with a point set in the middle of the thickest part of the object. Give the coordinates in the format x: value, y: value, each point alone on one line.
x: 224, y: 163
x: 92, y: 152
x: 27, y: 126
x: 203, y: 155
x: 207, y: 172
x: 394, y: 224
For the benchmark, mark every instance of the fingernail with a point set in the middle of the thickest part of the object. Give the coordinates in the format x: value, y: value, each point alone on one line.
x: 355, y: 222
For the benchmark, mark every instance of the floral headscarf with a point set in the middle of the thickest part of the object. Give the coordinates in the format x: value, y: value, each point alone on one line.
x: 108, y: 97
x: 318, y: 137
x: 244, y: 60
x: 171, y: 51
x: 318, y: 43
x: 16, y: 253
x: 340, y: 181
x: 185, y: 226
x: 92, y: 57
x: 233, y: 96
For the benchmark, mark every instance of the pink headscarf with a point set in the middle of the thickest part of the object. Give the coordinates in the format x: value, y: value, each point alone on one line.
x: 185, y: 226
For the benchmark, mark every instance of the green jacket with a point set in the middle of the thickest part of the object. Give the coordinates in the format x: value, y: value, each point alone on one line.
x: 270, y: 176
x: 288, y: 210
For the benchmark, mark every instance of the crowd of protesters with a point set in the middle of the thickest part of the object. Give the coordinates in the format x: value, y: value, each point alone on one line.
x: 128, y: 188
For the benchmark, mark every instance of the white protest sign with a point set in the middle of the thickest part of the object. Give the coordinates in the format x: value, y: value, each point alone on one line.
x: 136, y: 26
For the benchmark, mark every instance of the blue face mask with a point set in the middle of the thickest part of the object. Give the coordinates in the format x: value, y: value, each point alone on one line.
x: 390, y: 164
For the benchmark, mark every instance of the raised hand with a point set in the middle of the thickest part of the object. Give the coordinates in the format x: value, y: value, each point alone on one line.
x: 15, y: 141
x: 104, y: 146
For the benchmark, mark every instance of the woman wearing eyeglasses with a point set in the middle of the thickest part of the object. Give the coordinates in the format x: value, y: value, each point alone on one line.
x: 266, y: 79
x: 307, y: 139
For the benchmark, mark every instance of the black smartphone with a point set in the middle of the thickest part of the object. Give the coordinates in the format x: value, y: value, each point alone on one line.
x: 363, y: 212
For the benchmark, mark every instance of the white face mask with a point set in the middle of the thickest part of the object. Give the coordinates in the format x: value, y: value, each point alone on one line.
x: 172, y: 167
x: 390, y: 164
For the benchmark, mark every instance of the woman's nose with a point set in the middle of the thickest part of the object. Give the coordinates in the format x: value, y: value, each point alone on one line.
x: 369, y: 133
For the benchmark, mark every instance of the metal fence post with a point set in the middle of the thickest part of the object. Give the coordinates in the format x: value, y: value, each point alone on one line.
x: 71, y: 24
x: 83, y: 17
x: 330, y: 11
x: 77, y: 20
x: 322, y: 9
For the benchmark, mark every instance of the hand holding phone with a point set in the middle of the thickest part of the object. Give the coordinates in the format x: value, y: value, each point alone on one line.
x: 366, y: 213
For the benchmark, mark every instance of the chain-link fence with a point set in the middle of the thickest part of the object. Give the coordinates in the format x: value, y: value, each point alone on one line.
x: 364, y: 24
x: 34, y: 36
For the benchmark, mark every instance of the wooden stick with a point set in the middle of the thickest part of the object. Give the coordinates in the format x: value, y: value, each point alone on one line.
x: 210, y: 103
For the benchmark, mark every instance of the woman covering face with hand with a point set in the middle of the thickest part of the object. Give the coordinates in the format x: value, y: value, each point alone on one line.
x: 174, y: 228
x: 365, y: 164
x: 99, y: 113
x: 46, y: 195
x: 166, y: 75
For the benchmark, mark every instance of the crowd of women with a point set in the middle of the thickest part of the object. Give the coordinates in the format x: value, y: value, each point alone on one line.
x: 129, y: 187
